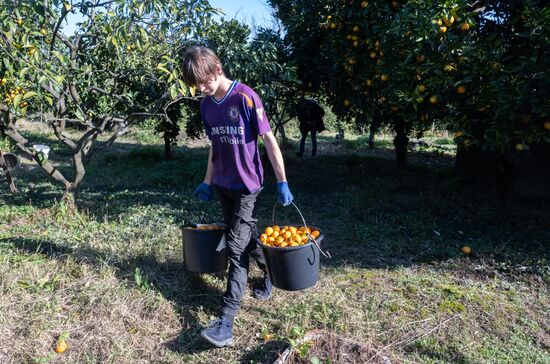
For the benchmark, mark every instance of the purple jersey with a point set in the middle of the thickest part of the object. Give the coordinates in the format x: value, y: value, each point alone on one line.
x: 233, y: 125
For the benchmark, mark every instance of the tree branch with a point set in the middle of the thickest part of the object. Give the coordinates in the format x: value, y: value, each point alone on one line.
x: 105, y: 92
x: 10, y: 129
x: 59, y: 130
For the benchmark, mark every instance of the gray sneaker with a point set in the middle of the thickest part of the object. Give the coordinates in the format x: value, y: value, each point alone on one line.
x: 219, y: 333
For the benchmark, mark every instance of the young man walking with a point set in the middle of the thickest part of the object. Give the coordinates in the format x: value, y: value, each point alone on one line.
x: 234, y: 119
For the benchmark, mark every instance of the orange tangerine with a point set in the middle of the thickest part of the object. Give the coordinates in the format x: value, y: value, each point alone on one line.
x: 315, y: 233
x: 61, y: 347
x: 268, y: 231
x: 263, y: 238
x: 276, y: 228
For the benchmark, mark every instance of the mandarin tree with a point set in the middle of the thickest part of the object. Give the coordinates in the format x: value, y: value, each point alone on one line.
x: 502, y: 87
x: 409, y: 64
x: 118, y: 69
x: 370, y: 59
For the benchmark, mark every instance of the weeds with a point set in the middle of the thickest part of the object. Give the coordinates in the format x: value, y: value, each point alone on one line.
x: 109, y: 272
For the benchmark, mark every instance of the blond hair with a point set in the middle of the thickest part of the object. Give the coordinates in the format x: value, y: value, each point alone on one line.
x: 199, y: 65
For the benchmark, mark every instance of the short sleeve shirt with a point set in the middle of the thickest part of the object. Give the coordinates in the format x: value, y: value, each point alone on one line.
x: 233, y: 125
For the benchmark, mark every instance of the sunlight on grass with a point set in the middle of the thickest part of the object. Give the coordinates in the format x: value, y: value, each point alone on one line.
x: 111, y: 274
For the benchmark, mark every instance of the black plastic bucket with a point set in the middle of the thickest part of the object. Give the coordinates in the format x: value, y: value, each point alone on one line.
x: 294, y: 268
x: 201, y: 248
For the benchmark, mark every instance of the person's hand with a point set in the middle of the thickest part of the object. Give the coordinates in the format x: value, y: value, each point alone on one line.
x: 204, y: 192
x: 284, y: 197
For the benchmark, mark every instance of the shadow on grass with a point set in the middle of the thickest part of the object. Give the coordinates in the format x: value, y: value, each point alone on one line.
x: 373, y: 214
x: 376, y: 216
x: 438, y: 355
x: 188, y: 291
x: 124, y: 176
x: 265, y: 353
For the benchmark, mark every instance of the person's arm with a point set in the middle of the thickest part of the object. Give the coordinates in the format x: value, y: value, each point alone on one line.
x: 204, y: 191
x: 275, y: 156
x: 209, y: 169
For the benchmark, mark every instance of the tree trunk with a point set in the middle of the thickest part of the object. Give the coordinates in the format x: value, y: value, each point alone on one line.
x: 280, y: 126
x: 284, y: 139
x: 9, y: 179
x: 374, y: 125
x: 400, y: 142
x: 167, y: 146
x: 69, y: 199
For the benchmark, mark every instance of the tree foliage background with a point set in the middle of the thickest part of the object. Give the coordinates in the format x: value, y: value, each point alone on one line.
x: 480, y: 69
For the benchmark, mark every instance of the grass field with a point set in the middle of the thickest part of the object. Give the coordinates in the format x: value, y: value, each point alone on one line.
x: 109, y: 276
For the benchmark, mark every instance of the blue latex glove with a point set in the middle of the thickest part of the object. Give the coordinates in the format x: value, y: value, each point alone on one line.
x: 284, y: 197
x: 204, y: 192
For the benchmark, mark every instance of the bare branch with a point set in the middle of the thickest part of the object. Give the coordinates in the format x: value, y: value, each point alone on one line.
x: 69, y: 121
x: 10, y: 129
x: 50, y: 90
x: 56, y: 33
x: 59, y: 130
x: 105, y: 3
x: 105, y: 92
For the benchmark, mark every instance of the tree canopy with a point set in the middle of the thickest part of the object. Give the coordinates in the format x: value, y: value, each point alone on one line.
x: 478, y: 68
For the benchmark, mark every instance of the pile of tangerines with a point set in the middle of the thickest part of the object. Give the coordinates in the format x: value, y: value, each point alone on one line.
x: 287, y: 236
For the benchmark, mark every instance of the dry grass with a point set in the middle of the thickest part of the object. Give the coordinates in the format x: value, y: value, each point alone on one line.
x: 111, y: 276
x: 106, y: 319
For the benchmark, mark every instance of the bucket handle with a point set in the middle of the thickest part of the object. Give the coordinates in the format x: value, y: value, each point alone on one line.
x: 311, y: 237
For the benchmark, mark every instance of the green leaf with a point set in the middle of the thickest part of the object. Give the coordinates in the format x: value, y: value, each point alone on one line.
x: 163, y: 69
x: 24, y: 284
x: 64, y: 336
x: 173, y: 92
x: 23, y: 72
x: 8, y: 65
x: 79, y: 115
x: 17, y: 100
x: 59, y: 56
x: 29, y: 94
x: 144, y: 35
x: 181, y: 83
